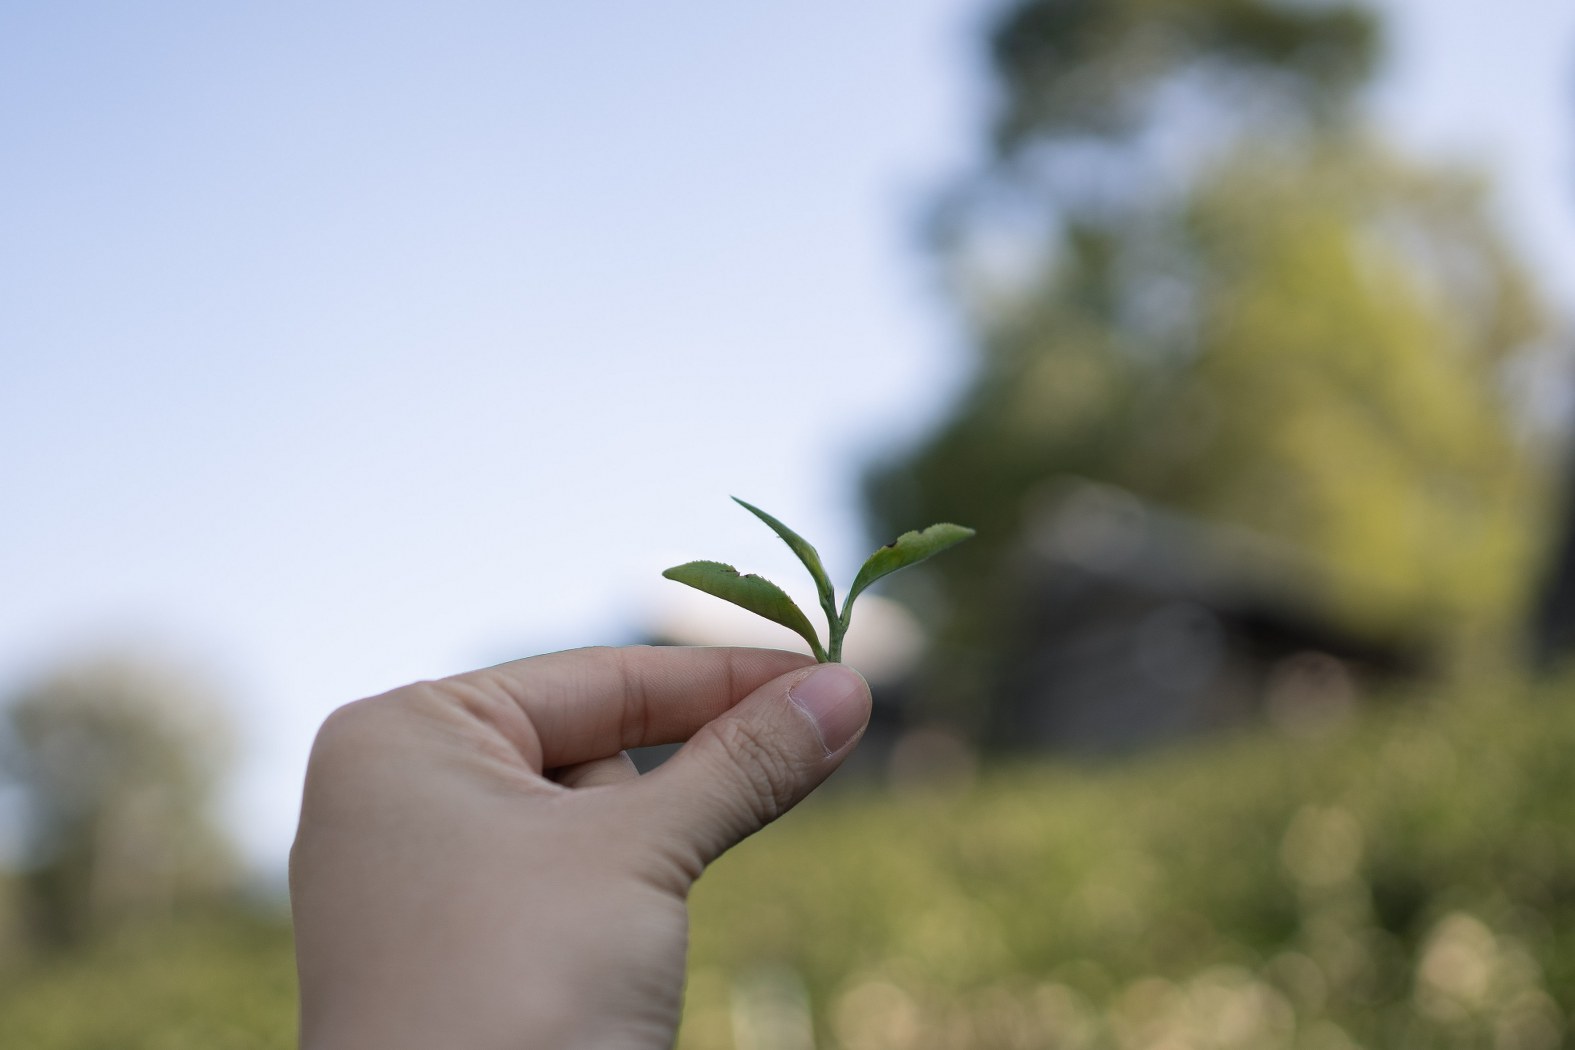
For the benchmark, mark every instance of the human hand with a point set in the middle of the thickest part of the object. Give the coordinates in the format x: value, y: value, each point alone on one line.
x: 478, y: 864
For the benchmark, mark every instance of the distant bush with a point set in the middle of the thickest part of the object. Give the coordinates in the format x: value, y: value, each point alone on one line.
x: 117, y: 760
x: 1409, y: 882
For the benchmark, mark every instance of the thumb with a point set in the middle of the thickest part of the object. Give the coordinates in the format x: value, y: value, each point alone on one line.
x: 756, y: 761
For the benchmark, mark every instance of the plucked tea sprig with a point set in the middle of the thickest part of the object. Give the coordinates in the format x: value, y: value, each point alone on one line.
x: 764, y: 598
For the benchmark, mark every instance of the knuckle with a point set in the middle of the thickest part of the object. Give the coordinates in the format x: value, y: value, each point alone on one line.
x: 351, y: 739
x: 765, y: 773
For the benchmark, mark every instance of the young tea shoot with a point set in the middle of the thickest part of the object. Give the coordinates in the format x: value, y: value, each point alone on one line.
x: 764, y: 598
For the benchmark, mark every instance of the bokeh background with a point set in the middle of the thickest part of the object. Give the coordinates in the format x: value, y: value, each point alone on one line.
x: 352, y: 345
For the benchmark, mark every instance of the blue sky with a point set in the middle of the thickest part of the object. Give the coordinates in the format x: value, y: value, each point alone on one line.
x: 342, y: 345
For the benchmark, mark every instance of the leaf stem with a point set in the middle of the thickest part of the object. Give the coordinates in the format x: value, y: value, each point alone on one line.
x: 839, y: 628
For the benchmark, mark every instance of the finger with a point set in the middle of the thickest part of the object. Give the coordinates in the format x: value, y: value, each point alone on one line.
x: 584, y: 704
x: 754, y: 762
x: 614, y: 769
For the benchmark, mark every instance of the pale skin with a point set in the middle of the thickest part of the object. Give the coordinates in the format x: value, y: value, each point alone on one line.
x: 478, y: 864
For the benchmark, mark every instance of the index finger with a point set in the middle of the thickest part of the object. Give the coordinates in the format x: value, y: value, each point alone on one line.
x: 584, y: 704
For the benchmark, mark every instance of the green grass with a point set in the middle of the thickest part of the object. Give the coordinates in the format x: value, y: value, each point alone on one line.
x: 1408, y: 881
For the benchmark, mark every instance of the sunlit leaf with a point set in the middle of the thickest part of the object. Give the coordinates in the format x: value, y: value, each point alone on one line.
x: 755, y: 593
x: 908, y: 549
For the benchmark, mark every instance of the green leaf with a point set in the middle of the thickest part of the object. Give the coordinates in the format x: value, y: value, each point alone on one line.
x: 908, y: 549
x: 806, y: 554
x: 755, y: 593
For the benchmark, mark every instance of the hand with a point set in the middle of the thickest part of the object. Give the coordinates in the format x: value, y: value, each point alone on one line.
x: 478, y: 864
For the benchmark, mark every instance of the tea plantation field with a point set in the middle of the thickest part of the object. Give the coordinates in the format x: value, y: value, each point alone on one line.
x: 1407, y: 880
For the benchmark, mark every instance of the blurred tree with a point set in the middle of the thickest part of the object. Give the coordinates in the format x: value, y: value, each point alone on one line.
x: 1553, y: 615
x: 1188, y: 272
x: 118, y: 761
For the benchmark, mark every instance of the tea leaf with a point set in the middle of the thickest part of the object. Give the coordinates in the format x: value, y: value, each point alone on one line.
x: 755, y: 593
x: 806, y: 554
x: 908, y: 549
x: 764, y: 598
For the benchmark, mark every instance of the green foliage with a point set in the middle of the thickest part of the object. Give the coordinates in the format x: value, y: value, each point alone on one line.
x: 1278, y: 326
x: 764, y: 598
x: 1402, y: 883
x: 1093, y: 67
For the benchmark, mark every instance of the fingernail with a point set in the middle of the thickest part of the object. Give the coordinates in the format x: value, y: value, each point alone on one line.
x: 832, y: 695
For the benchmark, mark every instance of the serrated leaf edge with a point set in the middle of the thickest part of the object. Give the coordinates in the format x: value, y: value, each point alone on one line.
x: 803, y: 628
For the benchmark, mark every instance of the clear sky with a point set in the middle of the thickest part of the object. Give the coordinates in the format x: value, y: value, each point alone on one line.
x: 342, y: 345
